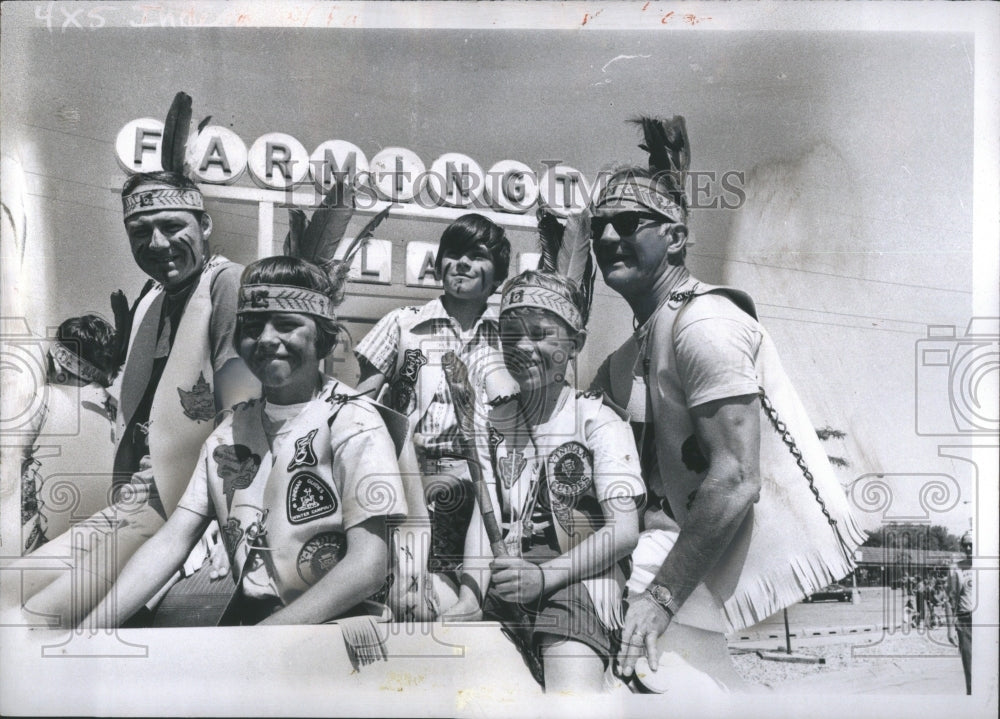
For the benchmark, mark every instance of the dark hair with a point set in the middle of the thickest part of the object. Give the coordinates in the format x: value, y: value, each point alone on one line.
x: 561, y: 284
x: 295, y: 272
x: 161, y: 177
x: 470, y: 230
x: 92, y: 338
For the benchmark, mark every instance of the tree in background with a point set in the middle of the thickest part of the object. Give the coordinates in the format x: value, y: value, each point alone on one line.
x: 937, y: 538
x: 826, y: 433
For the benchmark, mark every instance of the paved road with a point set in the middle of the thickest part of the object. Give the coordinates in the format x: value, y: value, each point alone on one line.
x: 886, y: 659
x: 875, y: 607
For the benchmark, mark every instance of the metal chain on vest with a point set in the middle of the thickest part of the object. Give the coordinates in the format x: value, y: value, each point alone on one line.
x: 782, y: 429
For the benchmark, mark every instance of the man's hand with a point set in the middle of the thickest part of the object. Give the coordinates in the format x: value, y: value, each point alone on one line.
x: 516, y: 580
x: 645, y: 622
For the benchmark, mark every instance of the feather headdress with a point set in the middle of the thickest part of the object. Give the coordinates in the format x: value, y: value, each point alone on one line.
x: 318, y: 239
x: 565, y: 250
x: 666, y: 141
x: 178, y: 138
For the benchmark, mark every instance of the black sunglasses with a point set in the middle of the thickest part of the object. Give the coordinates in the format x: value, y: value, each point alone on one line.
x: 625, y: 223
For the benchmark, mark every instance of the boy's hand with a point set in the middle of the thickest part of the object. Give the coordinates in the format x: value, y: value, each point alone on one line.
x: 217, y: 554
x: 516, y: 580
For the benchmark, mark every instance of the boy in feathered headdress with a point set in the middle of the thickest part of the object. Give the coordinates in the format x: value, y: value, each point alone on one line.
x: 562, y: 469
x: 302, y: 480
x: 759, y: 529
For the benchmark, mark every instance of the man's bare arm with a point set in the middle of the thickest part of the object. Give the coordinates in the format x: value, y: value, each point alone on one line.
x: 729, y: 433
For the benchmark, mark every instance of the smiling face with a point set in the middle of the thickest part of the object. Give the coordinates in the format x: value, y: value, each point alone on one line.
x: 632, y: 261
x: 468, y: 275
x: 169, y: 245
x: 537, y: 348
x: 280, y: 349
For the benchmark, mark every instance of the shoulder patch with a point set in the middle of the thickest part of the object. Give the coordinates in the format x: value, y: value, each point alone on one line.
x: 572, y: 470
x: 309, y: 498
x: 319, y: 555
x: 304, y: 456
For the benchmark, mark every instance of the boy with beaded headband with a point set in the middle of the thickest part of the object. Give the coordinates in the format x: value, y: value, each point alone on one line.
x: 564, y: 474
x: 302, y: 480
x: 78, y: 417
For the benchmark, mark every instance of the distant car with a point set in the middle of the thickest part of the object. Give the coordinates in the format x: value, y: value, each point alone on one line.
x: 831, y: 593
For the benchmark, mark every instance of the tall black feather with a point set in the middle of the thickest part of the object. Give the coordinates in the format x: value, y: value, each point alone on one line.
x: 565, y: 250
x: 176, y: 129
x: 123, y: 324
x: 296, y: 230
x: 666, y: 142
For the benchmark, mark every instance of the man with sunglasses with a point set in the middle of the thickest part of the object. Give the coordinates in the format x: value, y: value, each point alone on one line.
x: 736, y: 526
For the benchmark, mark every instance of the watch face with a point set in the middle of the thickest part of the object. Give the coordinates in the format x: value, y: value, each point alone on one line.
x: 663, y: 597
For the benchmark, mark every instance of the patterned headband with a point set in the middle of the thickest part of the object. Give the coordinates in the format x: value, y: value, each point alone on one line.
x: 167, y: 198
x: 65, y: 358
x: 545, y: 299
x: 638, y: 193
x: 284, y: 298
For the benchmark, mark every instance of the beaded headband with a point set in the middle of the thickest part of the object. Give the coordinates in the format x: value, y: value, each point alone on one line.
x: 284, y: 298
x: 545, y: 299
x: 67, y: 359
x: 172, y: 198
x: 640, y: 193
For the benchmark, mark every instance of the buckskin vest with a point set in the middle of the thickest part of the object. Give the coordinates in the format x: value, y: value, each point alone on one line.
x: 183, y: 410
x: 785, y: 548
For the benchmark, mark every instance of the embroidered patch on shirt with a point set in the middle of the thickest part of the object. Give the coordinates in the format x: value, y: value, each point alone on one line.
x: 304, y: 454
x: 572, y: 471
x: 237, y: 466
x: 232, y: 533
x: 309, y: 498
x: 510, y: 467
x: 406, y: 380
x: 413, y: 360
x: 319, y: 555
x: 199, y: 403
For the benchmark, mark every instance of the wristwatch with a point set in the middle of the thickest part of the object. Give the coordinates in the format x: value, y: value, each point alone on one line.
x: 664, y: 597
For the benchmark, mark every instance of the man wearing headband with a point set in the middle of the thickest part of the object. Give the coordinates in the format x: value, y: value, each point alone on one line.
x: 180, y: 369
x: 69, y: 455
x: 303, y: 480
x: 962, y: 596
x: 702, y: 382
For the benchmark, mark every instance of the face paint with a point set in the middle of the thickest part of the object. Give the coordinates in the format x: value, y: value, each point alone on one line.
x: 468, y: 275
x: 168, y: 245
